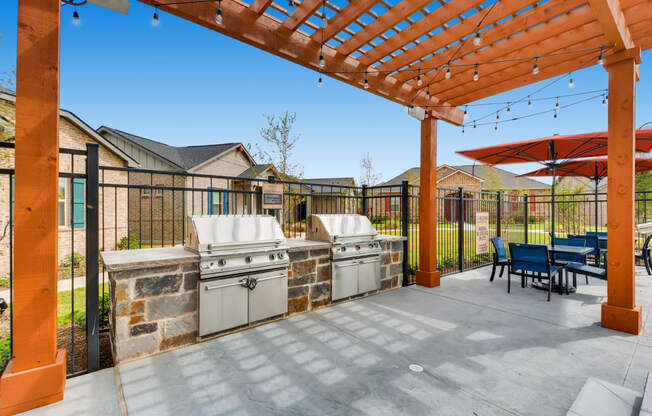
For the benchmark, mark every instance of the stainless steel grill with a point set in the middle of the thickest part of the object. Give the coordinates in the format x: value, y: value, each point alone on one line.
x: 243, y: 268
x: 355, y: 252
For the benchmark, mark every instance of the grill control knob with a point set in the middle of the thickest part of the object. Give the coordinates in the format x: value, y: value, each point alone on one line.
x: 371, y: 245
x: 343, y: 249
x: 272, y: 256
x: 357, y: 247
x: 248, y: 259
x: 281, y: 255
x: 221, y: 262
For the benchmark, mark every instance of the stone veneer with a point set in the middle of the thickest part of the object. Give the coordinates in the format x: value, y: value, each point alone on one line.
x: 154, y: 300
x: 309, y: 278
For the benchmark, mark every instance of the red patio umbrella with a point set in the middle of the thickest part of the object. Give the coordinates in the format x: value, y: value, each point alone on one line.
x: 595, y: 169
x: 553, y: 151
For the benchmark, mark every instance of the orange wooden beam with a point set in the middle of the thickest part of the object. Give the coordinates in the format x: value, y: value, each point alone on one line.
x: 259, y: 6
x: 620, y: 312
x: 344, y: 18
x: 490, y: 36
x: 433, y: 20
x: 428, y: 275
x: 268, y: 34
x: 383, y: 23
x: 302, y: 13
x: 612, y: 19
x: 36, y: 374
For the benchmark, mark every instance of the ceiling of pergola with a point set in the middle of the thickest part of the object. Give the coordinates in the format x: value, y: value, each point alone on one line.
x: 406, y: 38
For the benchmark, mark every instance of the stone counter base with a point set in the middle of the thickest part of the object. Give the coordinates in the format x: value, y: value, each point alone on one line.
x: 155, y: 309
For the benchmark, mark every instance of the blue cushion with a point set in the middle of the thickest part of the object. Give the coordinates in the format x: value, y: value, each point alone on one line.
x: 499, y: 247
x: 529, y: 257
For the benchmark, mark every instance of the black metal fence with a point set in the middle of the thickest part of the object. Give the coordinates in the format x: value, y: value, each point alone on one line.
x: 108, y: 208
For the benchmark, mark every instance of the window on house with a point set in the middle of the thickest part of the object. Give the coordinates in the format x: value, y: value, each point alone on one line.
x: 62, y: 202
x: 218, y: 202
x: 159, y: 192
x: 395, y: 204
x: 146, y: 192
x: 71, y: 204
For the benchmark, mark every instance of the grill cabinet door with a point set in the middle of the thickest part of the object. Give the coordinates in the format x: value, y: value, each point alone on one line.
x: 345, y: 279
x: 369, y: 274
x: 222, y: 305
x: 270, y: 297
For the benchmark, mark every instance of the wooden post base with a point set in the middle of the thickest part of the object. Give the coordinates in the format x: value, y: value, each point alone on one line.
x: 428, y: 279
x: 36, y: 387
x: 622, y: 319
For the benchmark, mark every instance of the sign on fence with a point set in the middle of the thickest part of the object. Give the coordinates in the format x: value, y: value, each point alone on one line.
x: 272, y: 196
x: 481, y: 233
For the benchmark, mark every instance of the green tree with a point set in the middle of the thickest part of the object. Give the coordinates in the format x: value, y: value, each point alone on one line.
x: 280, y: 143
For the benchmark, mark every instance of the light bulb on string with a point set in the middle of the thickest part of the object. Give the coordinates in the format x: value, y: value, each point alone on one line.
x: 319, y: 82
x: 497, y: 116
x: 428, y: 94
x: 322, y: 61
x: 466, y: 110
x: 155, y: 18
x: 419, y: 80
x: 508, y: 109
x: 476, y: 75
x: 462, y: 129
x: 75, y: 18
x: 219, y: 18
x: 557, y: 104
x: 555, y: 115
x: 600, y: 57
x: 477, y: 40
x: 474, y: 125
x: 366, y: 81
x: 604, y: 99
x: 571, y: 84
x: 535, y: 68
x: 496, y: 127
x: 529, y: 102
x: 448, y: 73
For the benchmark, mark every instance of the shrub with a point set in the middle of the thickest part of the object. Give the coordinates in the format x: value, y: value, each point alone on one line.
x: 5, y: 352
x: 75, y: 259
x: 4, y: 281
x: 128, y: 243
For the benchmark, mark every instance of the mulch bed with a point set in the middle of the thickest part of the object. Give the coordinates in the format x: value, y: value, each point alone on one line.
x: 64, y: 337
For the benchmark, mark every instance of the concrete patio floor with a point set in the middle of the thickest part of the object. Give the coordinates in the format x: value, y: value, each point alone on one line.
x: 483, y: 352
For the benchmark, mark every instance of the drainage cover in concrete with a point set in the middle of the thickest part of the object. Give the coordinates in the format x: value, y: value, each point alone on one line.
x: 416, y: 368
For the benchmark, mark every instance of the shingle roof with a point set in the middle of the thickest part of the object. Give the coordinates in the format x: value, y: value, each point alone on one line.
x: 184, y: 157
x: 327, y: 182
x: 490, y: 174
x: 255, y: 171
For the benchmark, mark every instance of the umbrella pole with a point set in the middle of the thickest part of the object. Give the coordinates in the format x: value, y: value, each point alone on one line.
x: 597, y: 241
x: 552, y: 205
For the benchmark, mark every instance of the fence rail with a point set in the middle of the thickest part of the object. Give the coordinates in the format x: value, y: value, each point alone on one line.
x: 109, y: 208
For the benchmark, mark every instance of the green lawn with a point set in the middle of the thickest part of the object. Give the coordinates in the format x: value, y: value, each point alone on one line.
x: 64, y: 308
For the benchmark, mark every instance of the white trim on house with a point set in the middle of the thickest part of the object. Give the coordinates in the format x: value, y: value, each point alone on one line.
x: 459, y: 171
x: 74, y: 119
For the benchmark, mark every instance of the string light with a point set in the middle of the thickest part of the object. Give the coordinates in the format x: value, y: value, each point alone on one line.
x: 324, y: 17
x: 508, y: 109
x: 466, y: 107
x: 600, y: 57
x: 218, y: 17
x: 529, y: 101
x: 571, y: 84
x: 319, y: 82
x: 497, y: 116
x: 462, y: 129
x: 477, y: 40
x: 322, y: 62
x: 448, y: 72
x: 75, y: 18
x: 428, y: 94
x: 419, y: 81
x: 604, y: 99
x: 366, y: 81
x: 155, y: 18
x: 496, y: 127
x: 555, y: 115
x: 557, y: 104
x: 476, y: 76
x: 474, y: 125
x: 535, y: 68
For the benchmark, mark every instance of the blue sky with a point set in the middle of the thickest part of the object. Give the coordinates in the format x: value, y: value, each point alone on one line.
x: 184, y: 85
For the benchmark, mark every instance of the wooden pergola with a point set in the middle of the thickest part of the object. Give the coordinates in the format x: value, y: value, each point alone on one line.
x: 399, y: 50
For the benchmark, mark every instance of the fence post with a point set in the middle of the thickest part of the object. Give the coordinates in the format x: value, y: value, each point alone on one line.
x: 526, y: 220
x: 92, y: 253
x: 499, y: 212
x: 405, y: 219
x: 460, y: 229
x: 365, y: 208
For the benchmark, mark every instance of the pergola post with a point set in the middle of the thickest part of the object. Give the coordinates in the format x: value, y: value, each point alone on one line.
x: 428, y: 275
x: 620, y: 312
x: 36, y: 374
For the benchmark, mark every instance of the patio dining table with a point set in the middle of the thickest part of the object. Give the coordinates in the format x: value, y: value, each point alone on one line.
x: 561, y: 248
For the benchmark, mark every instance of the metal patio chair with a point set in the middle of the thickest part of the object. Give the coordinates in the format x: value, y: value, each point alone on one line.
x: 500, y: 257
x: 644, y: 254
x: 563, y: 259
x: 532, y: 258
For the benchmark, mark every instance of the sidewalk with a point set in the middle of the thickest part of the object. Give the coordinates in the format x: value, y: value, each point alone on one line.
x: 62, y: 285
